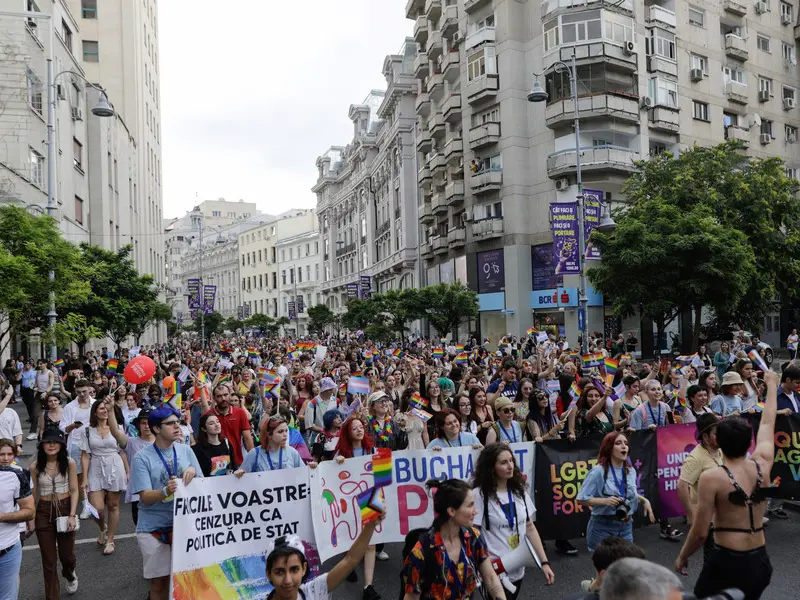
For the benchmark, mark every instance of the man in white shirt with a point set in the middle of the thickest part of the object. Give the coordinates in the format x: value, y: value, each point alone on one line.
x: 73, y: 423
x: 10, y: 426
x: 16, y: 506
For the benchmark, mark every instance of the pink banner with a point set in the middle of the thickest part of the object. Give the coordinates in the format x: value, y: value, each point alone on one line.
x: 674, y: 443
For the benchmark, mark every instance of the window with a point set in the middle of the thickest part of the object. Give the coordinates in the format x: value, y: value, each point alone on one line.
x: 787, y: 13
x: 700, y: 62
x: 89, y: 9
x: 587, y: 25
x: 551, y: 39
x: 600, y: 142
x: 493, y: 163
x: 216, y: 213
x: 788, y: 53
x: 765, y: 85
x: 91, y: 51
x: 735, y: 74
x: 699, y: 110
x: 480, y: 63
x: 789, y: 92
x: 77, y: 154
x: 790, y: 133
x: 767, y: 127
x: 488, y: 116
x: 34, y: 91
x: 661, y: 43
x: 791, y: 172
x: 37, y: 167
x: 78, y: 210
x: 66, y: 35
x: 581, y: 26
x: 283, y: 276
x: 730, y: 120
x: 697, y: 16
x: 763, y: 43
x: 488, y: 22
x: 663, y: 92
x: 657, y: 148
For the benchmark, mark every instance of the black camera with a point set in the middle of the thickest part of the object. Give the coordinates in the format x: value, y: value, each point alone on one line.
x: 622, y: 512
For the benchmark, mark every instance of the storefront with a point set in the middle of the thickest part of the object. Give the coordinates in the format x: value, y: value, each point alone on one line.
x: 491, y: 277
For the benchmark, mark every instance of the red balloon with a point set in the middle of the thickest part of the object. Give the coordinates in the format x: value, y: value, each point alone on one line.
x: 139, y: 370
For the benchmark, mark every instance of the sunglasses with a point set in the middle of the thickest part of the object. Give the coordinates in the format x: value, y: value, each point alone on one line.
x: 168, y: 423
x: 506, y: 410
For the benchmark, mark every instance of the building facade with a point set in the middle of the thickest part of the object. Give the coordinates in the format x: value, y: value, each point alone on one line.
x: 299, y: 260
x: 367, y: 193
x: 653, y: 77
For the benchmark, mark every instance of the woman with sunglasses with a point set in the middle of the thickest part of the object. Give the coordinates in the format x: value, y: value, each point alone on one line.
x: 448, y: 429
x: 542, y: 424
x: 274, y: 453
x: 506, y: 429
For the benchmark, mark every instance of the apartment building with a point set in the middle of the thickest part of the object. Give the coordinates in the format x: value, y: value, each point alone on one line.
x: 650, y: 77
x: 258, y: 259
x: 367, y: 193
x: 299, y: 282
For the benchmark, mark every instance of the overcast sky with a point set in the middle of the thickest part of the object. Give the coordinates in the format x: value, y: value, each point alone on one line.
x: 253, y: 91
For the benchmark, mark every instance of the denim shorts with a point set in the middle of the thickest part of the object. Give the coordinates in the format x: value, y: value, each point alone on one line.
x: 600, y: 528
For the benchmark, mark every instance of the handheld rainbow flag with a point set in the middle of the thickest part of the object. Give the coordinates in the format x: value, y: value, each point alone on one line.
x: 371, y: 504
x: 382, y: 467
x: 611, y: 366
x: 574, y: 390
x: 686, y: 358
x: 368, y: 357
x: 358, y: 385
x: 459, y: 347
x: 59, y: 363
x: 592, y: 360
x: 681, y: 401
x: 398, y: 353
x: 760, y: 405
x: 111, y: 366
x: 224, y: 378
x: 462, y: 358
x: 443, y: 341
x: 531, y: 331
x: 438, y: 353
x: 252, y: 353
x: 418, y: 401
x: 755, y: 357
x: 423, y: 415
x: 626, y: 357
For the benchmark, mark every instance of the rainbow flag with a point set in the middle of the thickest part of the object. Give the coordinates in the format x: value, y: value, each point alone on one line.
x: 756, y: 359
x: 423, y: 415
x: 611, y: 366
x: 438, y: 353
x: 306, y: 346
x: 59, y: 363
x: 531, y: 331
x: 398, y: 353
x: 443, y: 341
x: 358, y: 385
x: 368, y: 357
x: 357, y: 373
x: 626, y: 357
x: 459, y: 347
x: 760, y: 405
x: 252, y: 353
x: 574, y: 390
x: 111, y: 366
x: 681, y: 401
x: 418, y: 401
x: 462, y: 358
x: 371, y: 504
x: 202, y: 377
x: 592, y: 360
x: 686, y: 358
x: 224, y: 378
x: 382, y: 467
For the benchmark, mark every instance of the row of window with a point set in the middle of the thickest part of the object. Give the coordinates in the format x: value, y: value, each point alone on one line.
x: 697, y: 15
x: 588, y: 25
x: 297, y: 251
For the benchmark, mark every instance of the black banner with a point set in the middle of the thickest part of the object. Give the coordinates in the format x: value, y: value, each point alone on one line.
x: 785, y: 475
x: 643, y: 456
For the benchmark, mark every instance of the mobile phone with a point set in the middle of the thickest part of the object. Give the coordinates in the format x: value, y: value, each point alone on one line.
x: 78, y: 423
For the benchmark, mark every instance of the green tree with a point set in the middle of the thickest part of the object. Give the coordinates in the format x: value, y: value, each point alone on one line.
x: 232, y: 324
x: 281, y: 322
x: 400, y: 307
x: 214, y: 323
x: 361, y: 314
x: 259, y: 321
x: 446, y: 306
x: 72, y: 328
x: 319, y: 318
x: 157, y: 313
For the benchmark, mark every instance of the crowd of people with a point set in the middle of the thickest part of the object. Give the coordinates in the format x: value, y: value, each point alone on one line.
x: 250, y: 405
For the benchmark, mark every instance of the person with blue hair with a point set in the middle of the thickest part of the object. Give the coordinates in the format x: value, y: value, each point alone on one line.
x: 325, y: 445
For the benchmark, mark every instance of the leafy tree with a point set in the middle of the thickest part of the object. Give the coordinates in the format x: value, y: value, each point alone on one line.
x: 399, y: 307
x: 214, y: 323
x: 319, y: 318
x: 446, y: 306
x: 72, y: 328
x: 259, y: 321
x: 281, y: 322
x: 158, y: 313
x: 361, y: 314
x: 232, y: 324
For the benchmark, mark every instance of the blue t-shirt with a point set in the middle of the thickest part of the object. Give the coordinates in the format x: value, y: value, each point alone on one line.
x: 725, y: 405
x: 509, y: 391
x: 644, y: 415
x: 599, y: 485
x: 509, y: 434
x: 464, y: 439
x: 256, y: 460
x: 148, y: 473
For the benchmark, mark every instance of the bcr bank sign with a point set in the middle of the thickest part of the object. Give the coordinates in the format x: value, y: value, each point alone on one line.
x: 562, y: 298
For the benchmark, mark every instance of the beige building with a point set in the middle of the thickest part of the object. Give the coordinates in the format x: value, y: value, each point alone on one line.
x: 367, y: 193
x: 299, y: 260
x: 651, y: 77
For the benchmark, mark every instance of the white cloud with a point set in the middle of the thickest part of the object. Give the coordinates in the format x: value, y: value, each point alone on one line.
x: 253, y: 91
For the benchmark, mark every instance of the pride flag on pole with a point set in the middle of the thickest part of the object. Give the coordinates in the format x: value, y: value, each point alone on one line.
x: 111, y: 366
x: 358, y: 385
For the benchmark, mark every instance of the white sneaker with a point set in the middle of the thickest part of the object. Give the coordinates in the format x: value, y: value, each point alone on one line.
x: 32, y: 436
x: 72, y: 586
x: 85, y: 511
x: 382, y: 555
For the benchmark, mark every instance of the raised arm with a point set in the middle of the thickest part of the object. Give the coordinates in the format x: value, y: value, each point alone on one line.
x: 119, y: 435
x: 765, y: 442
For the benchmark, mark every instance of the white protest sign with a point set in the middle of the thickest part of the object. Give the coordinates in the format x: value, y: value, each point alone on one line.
x: 334, y: 487
x: 321, y: 352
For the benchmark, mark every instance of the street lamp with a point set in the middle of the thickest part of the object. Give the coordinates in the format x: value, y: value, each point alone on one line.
x: 606, y: 224
x: 198, y: 221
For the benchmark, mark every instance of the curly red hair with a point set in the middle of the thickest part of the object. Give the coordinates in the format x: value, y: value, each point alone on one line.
x: 345, y: 444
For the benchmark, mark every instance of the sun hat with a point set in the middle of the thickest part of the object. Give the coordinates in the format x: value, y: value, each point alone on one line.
x: 731, y: 378
x: 502, y: 403
x: 375, y: 396
x: 52, y: 434
x: 326, y: 384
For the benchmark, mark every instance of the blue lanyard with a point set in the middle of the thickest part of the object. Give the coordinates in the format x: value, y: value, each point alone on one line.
x: 164, y: 461
x: 269, y: 460
x: 461, y: 586
x: 451, y: 445
x: 623, y: 491
x: 510, y: 511
x: 513, y: 432
x: 653, y: 416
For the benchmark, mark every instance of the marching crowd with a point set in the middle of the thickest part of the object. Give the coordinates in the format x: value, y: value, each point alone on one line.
x: 247, y: 405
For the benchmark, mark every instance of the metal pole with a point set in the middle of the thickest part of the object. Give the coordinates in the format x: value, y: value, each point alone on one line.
x: 51, y: 205
x: 202, y: 289
x: 582, y: 298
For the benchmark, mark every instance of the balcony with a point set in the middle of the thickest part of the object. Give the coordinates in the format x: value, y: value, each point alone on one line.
x: 737, y: 133
x: 659, y: 64
x: 382, y: 228
x: 736, y: 92
x: 421, y: 65
x: 436, y: 86
x: 487, y: 229
x: 471, y: 6
x: 413, y: 8
x: 423, y: 104
x: 454, y: 192
x: 486, y: 35
x: 593, y: 158
x: 426, y: 249
x: 591, y: 53
x: 661, y: 16
x: 451, y: 109
x: 425, y: 175
x: 436, y: 125
x: 437, y: 164
x: 734, y: 7
x: 624, y: 108
x: 435, y: 46
x: 440, y: 245
x: 438, y: 204
x: 433, y: 9
x: 664, y: 119
x: 736, y: 47
x: 351, y: 247
x: 483, y: 135
x: 424, y: 140
x: 421, y: 30
x: 457, y: 237
x: 449, y: 23
x: 451, y: 65
x: 550, y: 6
x: 425, y: 214
x: 482, y: 89
x: 486, y: 181
x: 453, y: 149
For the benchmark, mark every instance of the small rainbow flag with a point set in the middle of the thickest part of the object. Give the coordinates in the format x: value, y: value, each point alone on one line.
x: 398, y: 353
x: 111, y: 366
x: 681, y: 401
x: 755, y: 357
x: 371, y: 504
x: 358, y: 385
x: 574, y: 390
x: 686, y: 358
x: 459, y: 347
x: 443, y: 341
x: 423, y: 415
x: 382, y: 467
x: 252, y: 353
x: 224, y: 378
x: 626, y: 357
x: 462, y: 358
x: 357, y: 373
x: 306, y: 346
x: 760, y: 405
x: 59, y: 363
x: 592, y: 360
x: 531, y: 331
x: 611, y: 366
x: 438, y: 353
x: 368, y: 357
x: 418, y: 401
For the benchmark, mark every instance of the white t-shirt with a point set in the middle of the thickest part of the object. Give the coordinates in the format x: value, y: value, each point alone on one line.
x: 73, y: 412
x: 9, y: 424
x: 499, y: 531
x: 14, y: 485
x: 316, y: 589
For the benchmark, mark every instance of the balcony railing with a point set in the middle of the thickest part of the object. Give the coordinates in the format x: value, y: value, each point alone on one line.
x: 382, y: 228
x: 658, y: 14
x: 346, y: 249
x: 608, y: 157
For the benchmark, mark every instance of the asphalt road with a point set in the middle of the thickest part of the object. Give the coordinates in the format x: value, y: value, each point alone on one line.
x: 120, y: 575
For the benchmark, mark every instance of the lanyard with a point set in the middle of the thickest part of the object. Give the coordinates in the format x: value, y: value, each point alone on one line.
x: 513, y: 436
x: 510, y: 511
x: 451, y: 445
x: 622, y: 490
x: 280, y: 460
x: 461, y: 586
x: 164, y: 461
x: 653, y: 415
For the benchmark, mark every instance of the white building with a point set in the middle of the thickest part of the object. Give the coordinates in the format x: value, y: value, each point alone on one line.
x: 299, y: 260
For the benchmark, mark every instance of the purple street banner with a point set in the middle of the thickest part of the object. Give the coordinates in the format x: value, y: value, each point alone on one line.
x: 591, y: 219
x: 292, y: 313
x: 194, y: 313
x: 193, y: 290
x: 209, y: 295
x: 366, y: 286
x: 352, y: 290
x: 674, y: 445
x: 564, y: 222
x: 544, y: 273
x: 300, y: 303
x: 491, y: 272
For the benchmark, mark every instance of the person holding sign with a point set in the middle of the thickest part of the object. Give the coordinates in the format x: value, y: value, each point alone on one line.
x: 610, y: 490
x: 155, y: 472
x: 448, y: 432
x: 735, y: 496
x: 273, y: 454
x: 448, y: 559
x: 501, y: 500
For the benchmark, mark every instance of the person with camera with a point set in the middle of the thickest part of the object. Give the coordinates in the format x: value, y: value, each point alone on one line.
x: 610, y: 491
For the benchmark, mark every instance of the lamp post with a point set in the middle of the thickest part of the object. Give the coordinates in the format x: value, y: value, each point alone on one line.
x: 197, y: 218
x: 606, y: 224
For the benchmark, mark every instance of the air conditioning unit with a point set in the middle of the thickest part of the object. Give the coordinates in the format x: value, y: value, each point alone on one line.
x: 761, y: 7
x: 629, y: 48
x: 647, y: 102
x: 61, y: 92
x: 791, y: 138
x: 562, y: 184
x: 789, y: 103
x: 465, y: 217
x: 458, y: 37
x: 763, y: 95
x: 77, y: 113
x: 765, y: 138
x: 696, y: 74
x: 786, y: 20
